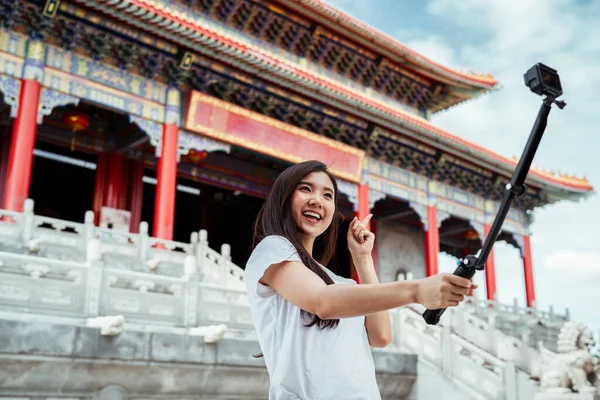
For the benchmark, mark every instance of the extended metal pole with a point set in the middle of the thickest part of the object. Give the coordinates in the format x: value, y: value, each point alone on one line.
x: 467, y: 266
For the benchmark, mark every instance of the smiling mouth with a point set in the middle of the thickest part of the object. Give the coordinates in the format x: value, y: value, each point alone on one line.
x: 312, y: 216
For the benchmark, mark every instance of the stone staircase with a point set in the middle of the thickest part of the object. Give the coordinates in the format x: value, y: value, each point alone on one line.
x: 482, y: 349
x: 59, y: 272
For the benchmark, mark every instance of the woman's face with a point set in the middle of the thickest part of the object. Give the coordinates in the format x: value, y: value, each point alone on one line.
x: 313, y: 204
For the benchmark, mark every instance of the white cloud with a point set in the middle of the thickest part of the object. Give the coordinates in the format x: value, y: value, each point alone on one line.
x: 434, y: 48
x: 587, y: 262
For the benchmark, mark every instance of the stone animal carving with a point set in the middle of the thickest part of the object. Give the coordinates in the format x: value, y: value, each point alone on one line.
x: 211, y: 333
x: 109, y: 325
x: 573, y: 368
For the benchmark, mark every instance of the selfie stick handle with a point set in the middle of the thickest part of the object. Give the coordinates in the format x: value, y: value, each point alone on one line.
x: 470, y: 264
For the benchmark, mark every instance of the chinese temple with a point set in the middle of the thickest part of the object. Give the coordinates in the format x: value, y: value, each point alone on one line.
x: 140, y: 138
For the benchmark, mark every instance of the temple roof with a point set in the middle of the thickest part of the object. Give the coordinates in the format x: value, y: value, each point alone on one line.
x: 378, y: 41
x: 216, y: 41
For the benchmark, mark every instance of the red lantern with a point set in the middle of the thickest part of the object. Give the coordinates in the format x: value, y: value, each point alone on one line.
x: 196, y: 156
x: 472, y: 234
x: 76, y: 120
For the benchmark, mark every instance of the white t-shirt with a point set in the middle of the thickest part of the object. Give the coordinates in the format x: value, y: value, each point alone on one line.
x: 306, y: 363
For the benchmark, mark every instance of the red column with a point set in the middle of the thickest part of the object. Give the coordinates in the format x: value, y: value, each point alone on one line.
x: 136, y: 190
x: 490, y: 269
x: 361, y: 213
x: 20, y: 160
x: 432, y: 242
x: 528, y: 269
x: 115, y: 173
x: 166, y: 185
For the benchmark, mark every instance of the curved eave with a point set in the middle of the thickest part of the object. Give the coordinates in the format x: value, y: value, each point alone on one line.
x: 175, y: 25
x: 378, y: 41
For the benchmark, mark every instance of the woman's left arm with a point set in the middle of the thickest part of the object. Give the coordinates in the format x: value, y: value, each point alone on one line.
x: 379, y: 327
x: 360, y: 244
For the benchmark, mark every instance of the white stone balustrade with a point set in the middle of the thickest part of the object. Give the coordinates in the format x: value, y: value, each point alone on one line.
x: 77, y: 270
x: 80, y: 270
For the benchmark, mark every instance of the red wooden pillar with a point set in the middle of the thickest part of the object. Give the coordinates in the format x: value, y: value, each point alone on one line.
x: 490, y: 268
x: 114, y: 175
x: 111, y: 186
x: 135, y: 194
x: 432, y: 242
x: 361, y: 213
x: 528, y: 271
x: 20, y: 161
x: 166, y: 185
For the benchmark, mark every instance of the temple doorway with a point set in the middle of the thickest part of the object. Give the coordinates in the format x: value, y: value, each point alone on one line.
x: 62, y: 182
x: 227, y: 215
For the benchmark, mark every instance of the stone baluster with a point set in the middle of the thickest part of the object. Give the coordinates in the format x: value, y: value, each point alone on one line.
x: 225, y: 260
x: 27, y: 222
x: 144, y: 242
x: 446, y: 346
x: 510, y: 381
x: 194, y: 239
x: 201, y: 249
x: 89, y: 227
x: 515, y: 306
x: 191, y: 290
x: 94, y: 278
x: 493, y: 334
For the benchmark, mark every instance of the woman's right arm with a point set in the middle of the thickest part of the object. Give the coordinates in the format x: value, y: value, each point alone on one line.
x: 303, y: 288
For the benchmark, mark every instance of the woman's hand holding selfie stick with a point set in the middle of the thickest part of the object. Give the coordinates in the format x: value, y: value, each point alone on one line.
x: 440, y: 291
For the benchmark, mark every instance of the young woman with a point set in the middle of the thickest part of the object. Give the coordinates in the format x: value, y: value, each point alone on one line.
x: 314, y: 327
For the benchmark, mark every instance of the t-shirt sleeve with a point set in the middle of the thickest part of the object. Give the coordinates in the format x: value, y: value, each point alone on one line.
x: 271, y: 250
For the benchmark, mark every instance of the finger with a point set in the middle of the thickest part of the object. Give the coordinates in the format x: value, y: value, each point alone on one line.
x: 460, y: 281
x: 361, y: 236
x: 366, y: 221
x: 352, y: 223
x: 452, y: 303
x: 460, y: 291
x: 357, y: 228
x: 351, y: 226
x: 454, y: 297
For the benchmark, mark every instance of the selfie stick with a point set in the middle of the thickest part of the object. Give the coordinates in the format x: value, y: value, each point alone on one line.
x: 542, y: 80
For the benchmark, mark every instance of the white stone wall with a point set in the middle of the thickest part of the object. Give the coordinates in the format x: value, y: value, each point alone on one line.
x: 399, y: 248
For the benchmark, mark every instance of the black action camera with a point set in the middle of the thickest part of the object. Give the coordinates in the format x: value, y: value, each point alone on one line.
x: 543, y: 80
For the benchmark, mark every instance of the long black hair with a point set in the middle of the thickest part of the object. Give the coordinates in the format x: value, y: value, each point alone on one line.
x: 275, y: 218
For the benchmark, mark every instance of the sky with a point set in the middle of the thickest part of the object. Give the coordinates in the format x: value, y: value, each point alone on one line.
x: 505, y: 38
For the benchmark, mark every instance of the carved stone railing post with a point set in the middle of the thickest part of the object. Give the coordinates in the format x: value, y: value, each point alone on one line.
x: 225, y: 260
x: 201, y: 248
x: 191, y: 291
x: 144, y: 241
x: 493, y: 334
x: 510, y: 381
x: 94, y: 278
x: 88, y: 221
x: 28, y: 216
x: 446, y: 347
